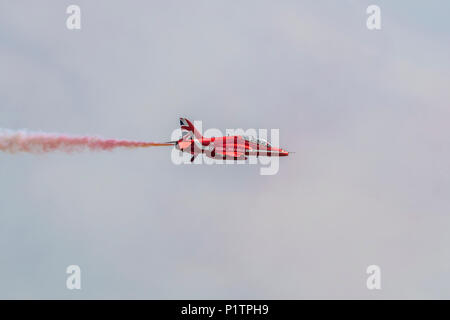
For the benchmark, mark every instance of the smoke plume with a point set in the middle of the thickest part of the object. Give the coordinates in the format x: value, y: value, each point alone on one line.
x: 36, y: 142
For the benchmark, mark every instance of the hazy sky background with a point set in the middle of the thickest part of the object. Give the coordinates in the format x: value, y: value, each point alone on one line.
x: 367, y: 113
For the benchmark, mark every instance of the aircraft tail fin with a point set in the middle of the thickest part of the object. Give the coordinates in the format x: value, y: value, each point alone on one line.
x: 188, y: 130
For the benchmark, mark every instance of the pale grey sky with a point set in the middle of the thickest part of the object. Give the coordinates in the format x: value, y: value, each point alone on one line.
x: 367, y: 113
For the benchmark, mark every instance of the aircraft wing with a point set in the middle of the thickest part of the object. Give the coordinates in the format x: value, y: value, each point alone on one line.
x: 231, y: 154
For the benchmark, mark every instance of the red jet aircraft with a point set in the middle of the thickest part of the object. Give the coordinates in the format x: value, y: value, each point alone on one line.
x: 225, y: 148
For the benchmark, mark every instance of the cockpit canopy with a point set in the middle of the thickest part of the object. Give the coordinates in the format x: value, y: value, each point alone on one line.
x: 256, y: 140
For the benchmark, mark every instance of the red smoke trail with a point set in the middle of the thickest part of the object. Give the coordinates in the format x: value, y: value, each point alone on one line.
x: 23, y: 141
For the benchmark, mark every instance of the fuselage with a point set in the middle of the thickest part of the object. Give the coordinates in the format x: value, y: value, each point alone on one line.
x: 230, y: 147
